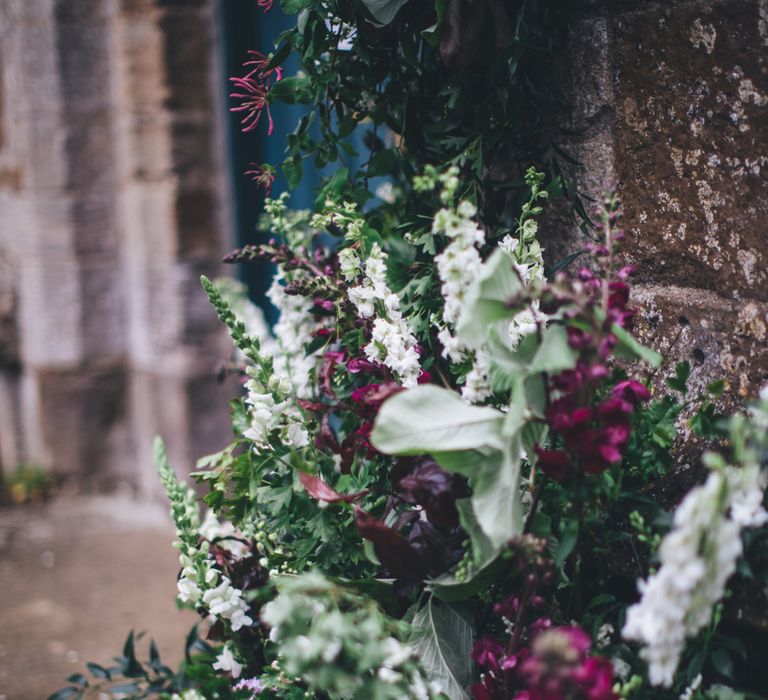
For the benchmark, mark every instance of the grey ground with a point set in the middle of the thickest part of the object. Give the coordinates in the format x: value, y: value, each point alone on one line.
x: 76, y: 575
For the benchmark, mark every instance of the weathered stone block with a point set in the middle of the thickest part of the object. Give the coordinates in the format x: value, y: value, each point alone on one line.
x: 719, y: 337
x: 691, y: 143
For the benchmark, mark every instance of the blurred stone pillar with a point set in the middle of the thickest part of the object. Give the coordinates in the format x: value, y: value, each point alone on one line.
x: 111, y: 189
x: 173, y: 221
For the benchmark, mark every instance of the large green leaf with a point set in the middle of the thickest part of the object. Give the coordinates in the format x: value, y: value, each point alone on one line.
x: 491, y: 298
x: 444, y: 642
x: 496, y: 494
x: 478, y: 442
x: 430, y: 419
x: 451, y: 589
x: 482, y: 547
x: 550, y: 354
x: 383, y: 11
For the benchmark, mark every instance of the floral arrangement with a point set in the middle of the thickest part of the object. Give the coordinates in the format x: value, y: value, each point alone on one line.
x: 446, y: 470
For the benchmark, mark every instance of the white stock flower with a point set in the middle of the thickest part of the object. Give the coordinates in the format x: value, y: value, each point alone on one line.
x: 697, y: 558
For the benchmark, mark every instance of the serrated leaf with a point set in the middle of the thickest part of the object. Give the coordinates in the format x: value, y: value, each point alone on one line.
x: 444, y: 640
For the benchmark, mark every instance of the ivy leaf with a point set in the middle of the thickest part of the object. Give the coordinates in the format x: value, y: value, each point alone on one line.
x: 491, y: 298
x: 444, y: 640
x: 680, y: 381
x: 383, y: 11
x: 429, y: 419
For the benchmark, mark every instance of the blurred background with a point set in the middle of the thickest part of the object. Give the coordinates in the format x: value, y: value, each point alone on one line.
x: 120, y: 184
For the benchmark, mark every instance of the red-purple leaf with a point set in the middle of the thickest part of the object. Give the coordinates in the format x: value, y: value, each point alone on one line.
x: 318, y: 489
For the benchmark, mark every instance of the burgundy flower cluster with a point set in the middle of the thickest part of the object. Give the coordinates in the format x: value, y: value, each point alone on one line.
x: 594, y: 431
x: 555, y: 667
x: 253, y: 88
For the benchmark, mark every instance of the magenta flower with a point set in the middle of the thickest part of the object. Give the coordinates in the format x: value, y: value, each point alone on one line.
x: 487, y: 652
x: 265, y: 5
x: 632, y: 390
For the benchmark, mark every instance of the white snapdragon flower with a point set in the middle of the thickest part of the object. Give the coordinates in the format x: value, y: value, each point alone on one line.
x: 227, y: 602
x: 293, y: 332
x: 212, y: 528
x: 189, y: 591
x: 392, y: 342
x: 227, y: 662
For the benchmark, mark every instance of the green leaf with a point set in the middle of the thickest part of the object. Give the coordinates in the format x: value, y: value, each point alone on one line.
x: 383, y: 162
x: 723, y: 663
x: 482, y: 548
x: 629, y: 348
x: 294, y: 90
x: 568, y: 540
x: 478, y: 442
x: 493, y: 296
x: 78, y: 678
x: 430, y: 419
x: 449, y: 588
x: 292, y: 7
x: 98, y: 671
x: 293, y: 170
x: 432, y: 33
x: 444, y: 640
x: 680, y: 381
x: 496, y: 494
x: 383, y: 11
x: 64, y: 693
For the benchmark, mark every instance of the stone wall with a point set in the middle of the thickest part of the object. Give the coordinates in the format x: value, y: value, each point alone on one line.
x: 113, y: 203
x: 670, y: 102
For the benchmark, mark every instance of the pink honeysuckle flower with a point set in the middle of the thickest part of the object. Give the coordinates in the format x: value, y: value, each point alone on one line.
x: 263, y: 176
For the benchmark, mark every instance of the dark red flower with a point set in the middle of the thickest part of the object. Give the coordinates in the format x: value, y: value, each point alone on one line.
x: 554, y: 463
x: 435, y: 490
